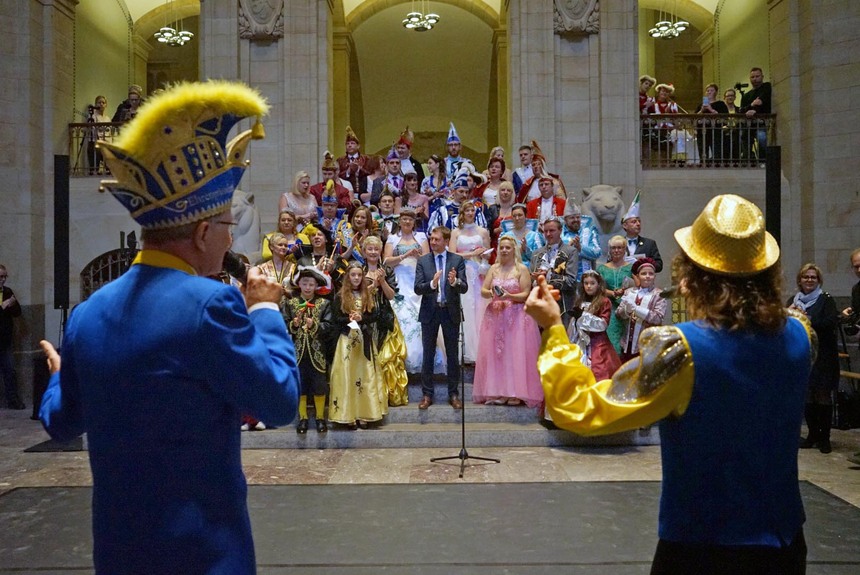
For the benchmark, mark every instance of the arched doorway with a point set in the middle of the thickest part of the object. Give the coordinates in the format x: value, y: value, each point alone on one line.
x: 396, y: 77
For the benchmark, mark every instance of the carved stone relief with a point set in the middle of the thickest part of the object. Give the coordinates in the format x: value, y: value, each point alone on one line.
x: 576, y: 16
x: 261, y: 20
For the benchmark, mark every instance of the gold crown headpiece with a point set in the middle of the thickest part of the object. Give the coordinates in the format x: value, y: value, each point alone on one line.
x: 172, y: 164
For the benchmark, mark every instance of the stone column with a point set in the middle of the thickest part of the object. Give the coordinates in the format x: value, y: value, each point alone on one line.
x: 287, y: 59
x: 532, y: 74
x: 34, y: 112
x: 342, y: 51
x: 499, y: 126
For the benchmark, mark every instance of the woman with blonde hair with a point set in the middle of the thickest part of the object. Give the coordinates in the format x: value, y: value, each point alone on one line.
x: 471, y: 241
x: 299, y: 200
x: 617, y: 273
x: 357, y: 395
x: 506, y: 366
x: 387, y: 335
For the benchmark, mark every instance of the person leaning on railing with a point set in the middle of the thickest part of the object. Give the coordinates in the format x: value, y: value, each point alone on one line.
x: 731, y: 134
x: 709, y: 139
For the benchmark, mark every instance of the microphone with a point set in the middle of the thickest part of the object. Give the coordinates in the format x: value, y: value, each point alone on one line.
x: 235, y: 266
x: 669, y: 292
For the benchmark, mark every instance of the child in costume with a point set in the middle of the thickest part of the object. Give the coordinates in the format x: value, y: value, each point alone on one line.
x: 592, y: 311
x: 357, y: 393
x: 641, y: 307
x: 308, y: 319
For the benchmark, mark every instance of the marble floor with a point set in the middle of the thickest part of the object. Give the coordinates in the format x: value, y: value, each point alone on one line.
x: 18, y: 468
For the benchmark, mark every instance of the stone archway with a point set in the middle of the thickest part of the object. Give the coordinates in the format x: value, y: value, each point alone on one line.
x: 463, y: 60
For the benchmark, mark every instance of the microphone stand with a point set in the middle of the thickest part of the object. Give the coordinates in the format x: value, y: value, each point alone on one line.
x: 463, y: 455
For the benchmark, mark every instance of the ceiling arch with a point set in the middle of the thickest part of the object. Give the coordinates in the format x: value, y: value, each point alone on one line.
x: 367, y: 8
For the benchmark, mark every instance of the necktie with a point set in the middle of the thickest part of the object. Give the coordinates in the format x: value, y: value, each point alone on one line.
x: 440, y: 265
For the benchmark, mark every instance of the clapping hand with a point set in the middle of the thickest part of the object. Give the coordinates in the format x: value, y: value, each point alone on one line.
x: 452, y: 277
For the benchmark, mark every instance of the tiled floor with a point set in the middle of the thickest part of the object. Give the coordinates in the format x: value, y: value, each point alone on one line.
x: 832, y: 472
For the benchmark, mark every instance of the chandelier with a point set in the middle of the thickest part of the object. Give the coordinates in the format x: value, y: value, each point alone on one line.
x: 420, y: 21
x: 173, y: 34
x: 667, y: 27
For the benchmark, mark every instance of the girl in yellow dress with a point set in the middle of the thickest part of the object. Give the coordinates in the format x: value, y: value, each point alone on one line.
x: 357, y: 394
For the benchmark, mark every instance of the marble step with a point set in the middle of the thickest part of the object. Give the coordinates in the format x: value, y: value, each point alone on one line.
x: 415, y: 435
x: 441, y: 412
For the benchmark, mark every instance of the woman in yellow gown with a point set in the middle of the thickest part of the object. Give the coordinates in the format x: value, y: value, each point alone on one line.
x: 388, y: 338
x: 357, y: 394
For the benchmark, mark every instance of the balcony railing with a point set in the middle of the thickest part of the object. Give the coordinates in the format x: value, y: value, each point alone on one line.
x: 706, y: 140
x: 84, y: 158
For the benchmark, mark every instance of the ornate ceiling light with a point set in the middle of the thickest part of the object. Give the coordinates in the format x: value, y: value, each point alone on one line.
x: 173, y: 34
x: 420, y: 21
x: 667, y: 27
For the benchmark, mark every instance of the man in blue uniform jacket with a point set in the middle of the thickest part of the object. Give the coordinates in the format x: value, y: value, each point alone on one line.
x: 158, y: 365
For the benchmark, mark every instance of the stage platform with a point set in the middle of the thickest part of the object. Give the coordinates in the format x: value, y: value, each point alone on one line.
x: 579, y: 528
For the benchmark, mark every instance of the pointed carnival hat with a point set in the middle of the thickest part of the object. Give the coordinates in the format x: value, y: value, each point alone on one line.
x: 729, y: 238
x: 537, y: 153
x: 328, y: 162
x: 633, y: 210
x: 329, y: 196
x: 350, y: 135
x: 452, y: 135
x: 172, y: 164
x: 407, y: 137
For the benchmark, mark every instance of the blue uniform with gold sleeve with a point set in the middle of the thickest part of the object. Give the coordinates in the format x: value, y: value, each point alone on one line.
x: 157, y: 367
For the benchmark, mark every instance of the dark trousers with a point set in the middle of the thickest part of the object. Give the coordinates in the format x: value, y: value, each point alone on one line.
x: 7, y: 373
x: 699, y: 559
x: 451, y: 335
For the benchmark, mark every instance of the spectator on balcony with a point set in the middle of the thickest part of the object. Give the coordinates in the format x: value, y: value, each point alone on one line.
x: 755, y: 103
x: 662, y: 133
x: 96, y: 114
x: 129, y: 107
x: 731, y: 134
x: 646, y: 102
x: 709, y: 134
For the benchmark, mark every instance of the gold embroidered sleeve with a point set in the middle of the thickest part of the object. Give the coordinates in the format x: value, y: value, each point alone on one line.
x: 813, y: 337
x: 655, y: 385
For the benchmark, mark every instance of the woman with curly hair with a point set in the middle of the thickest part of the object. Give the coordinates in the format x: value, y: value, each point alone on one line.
x: 728, y: 388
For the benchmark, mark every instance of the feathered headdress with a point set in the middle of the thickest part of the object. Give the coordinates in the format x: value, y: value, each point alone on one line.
x: 172, y: 163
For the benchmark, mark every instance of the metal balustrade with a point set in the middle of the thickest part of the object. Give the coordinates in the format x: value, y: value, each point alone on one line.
x: 84, y: 158
x: 706, y: 140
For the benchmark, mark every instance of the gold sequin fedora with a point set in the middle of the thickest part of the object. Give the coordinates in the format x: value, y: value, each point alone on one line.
x: 729, y: 238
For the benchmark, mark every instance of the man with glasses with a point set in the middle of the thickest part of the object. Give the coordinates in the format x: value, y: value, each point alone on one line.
x: 159, y: 365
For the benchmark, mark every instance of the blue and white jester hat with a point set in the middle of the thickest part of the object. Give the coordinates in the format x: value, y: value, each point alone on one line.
x: 172, y: 164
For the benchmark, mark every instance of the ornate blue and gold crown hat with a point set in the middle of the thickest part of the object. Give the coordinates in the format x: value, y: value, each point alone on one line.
x: 172, y: 164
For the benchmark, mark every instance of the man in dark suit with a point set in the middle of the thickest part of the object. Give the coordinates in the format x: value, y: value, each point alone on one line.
x: 636, y: 244
x: 440, y: 278
x: 559, y: 262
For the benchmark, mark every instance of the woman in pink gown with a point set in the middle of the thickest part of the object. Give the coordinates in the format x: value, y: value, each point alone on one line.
x: 509, y: 340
